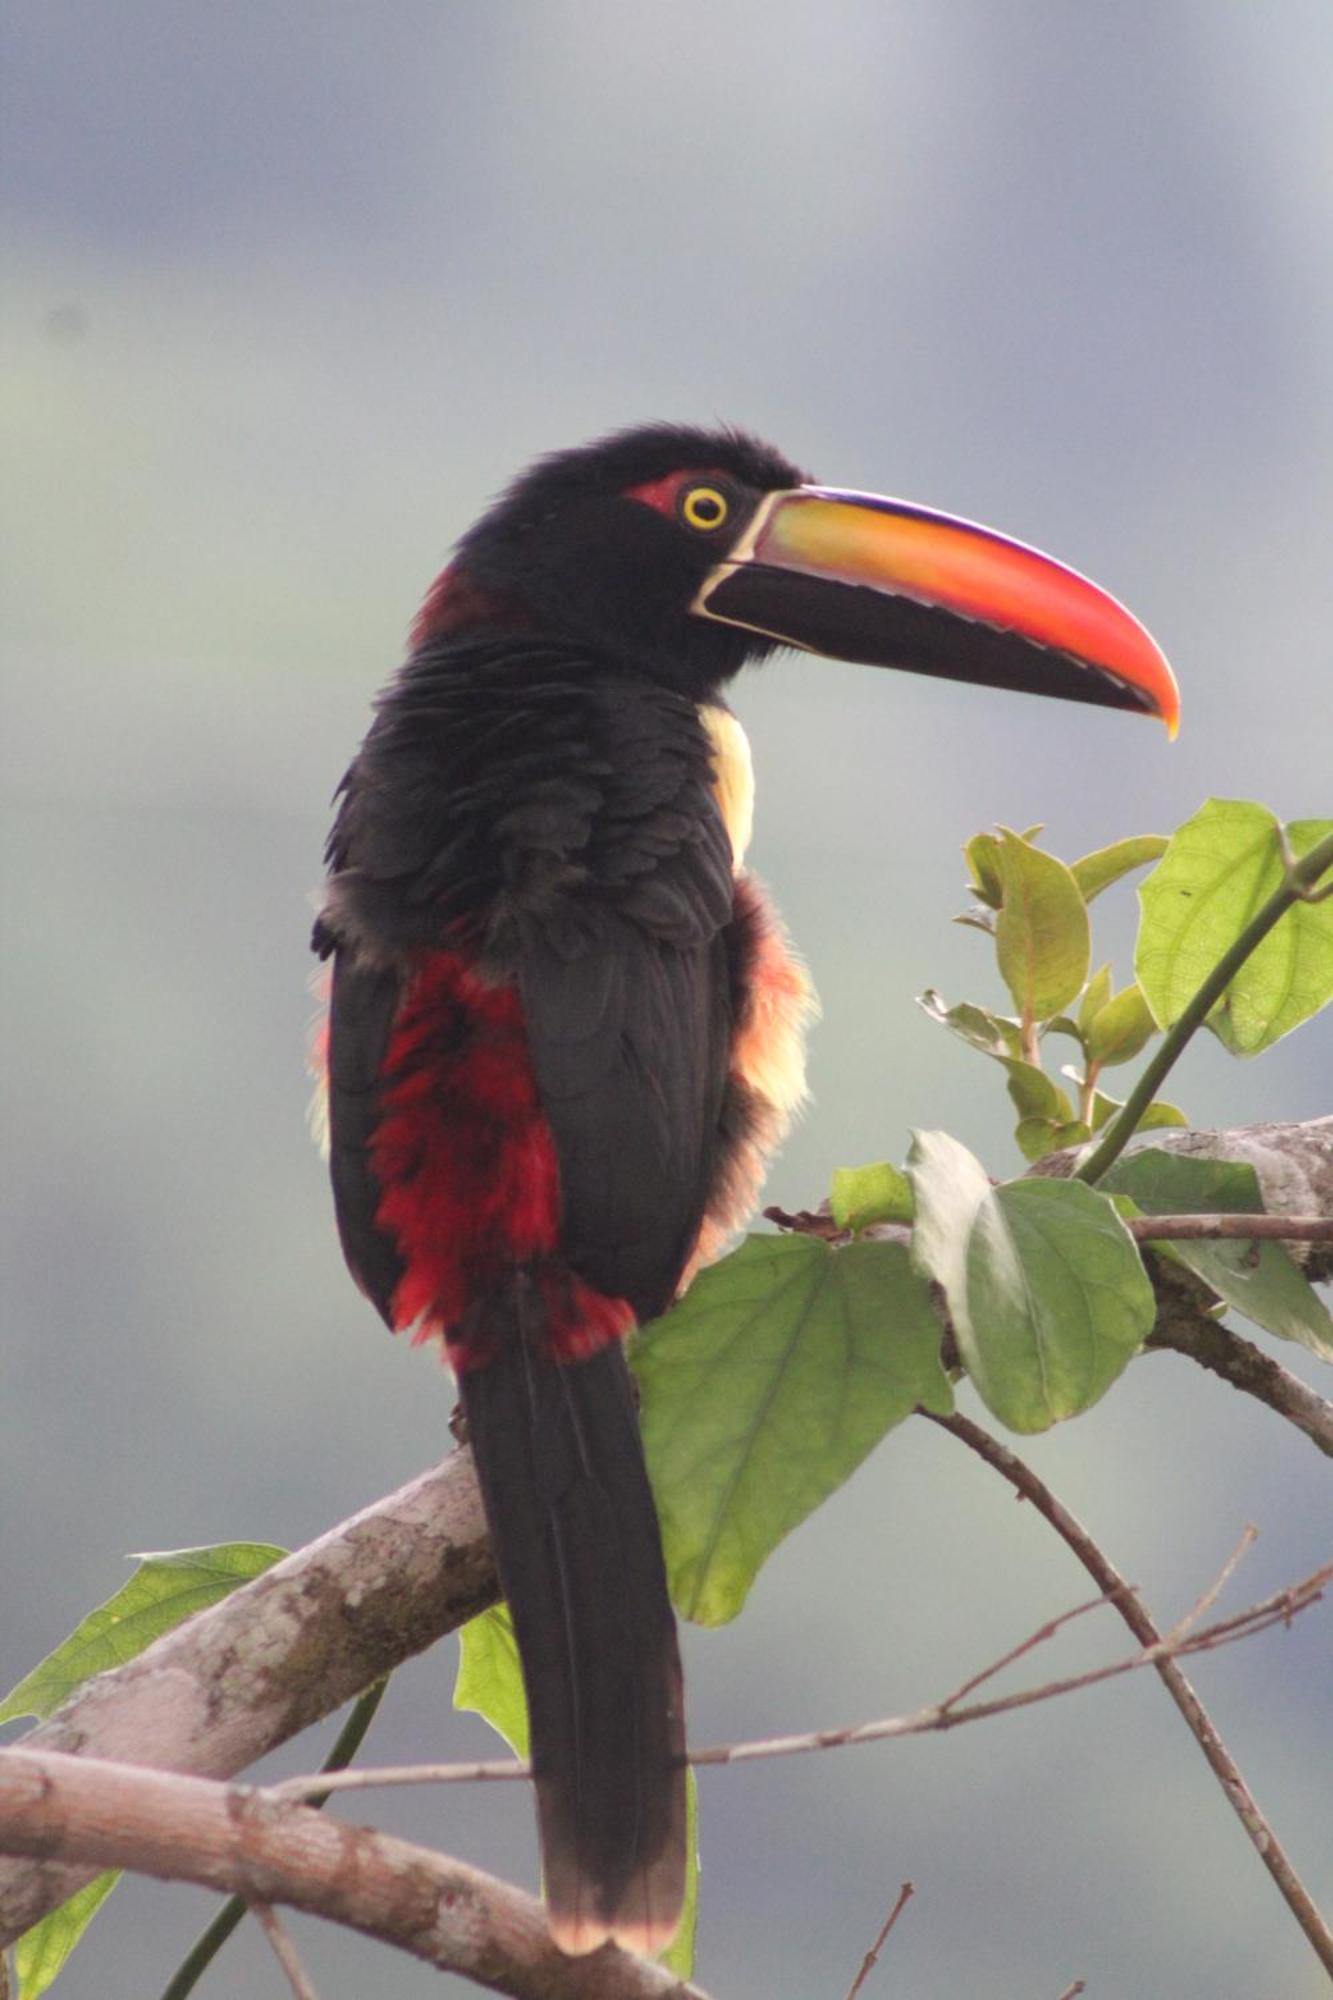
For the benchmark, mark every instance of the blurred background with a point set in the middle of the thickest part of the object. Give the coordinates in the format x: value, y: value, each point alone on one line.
x: 292, y: 289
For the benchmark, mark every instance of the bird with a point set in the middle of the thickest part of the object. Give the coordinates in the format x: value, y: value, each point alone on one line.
x: 565, y: 1024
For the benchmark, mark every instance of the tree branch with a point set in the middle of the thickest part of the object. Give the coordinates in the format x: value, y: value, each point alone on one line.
x: 1200, y: 1723
x: 293, y: 1646
x: 949, y: 1713
x: 232, y: 1837
x: 278, y: 1654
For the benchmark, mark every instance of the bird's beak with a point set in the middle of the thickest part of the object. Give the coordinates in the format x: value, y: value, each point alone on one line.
x: 860, y: 578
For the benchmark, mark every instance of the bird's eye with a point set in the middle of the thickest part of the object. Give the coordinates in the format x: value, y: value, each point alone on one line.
x: 703, y: 508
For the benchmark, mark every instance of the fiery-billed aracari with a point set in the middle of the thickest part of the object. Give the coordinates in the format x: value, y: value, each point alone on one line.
x: 565, y: 1027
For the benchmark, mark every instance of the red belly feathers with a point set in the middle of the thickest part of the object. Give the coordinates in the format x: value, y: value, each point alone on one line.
x: 468, y: 1166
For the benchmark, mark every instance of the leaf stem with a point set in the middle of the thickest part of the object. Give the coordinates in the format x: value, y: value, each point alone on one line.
x: 1300, y: 879
x: 212, y: 1938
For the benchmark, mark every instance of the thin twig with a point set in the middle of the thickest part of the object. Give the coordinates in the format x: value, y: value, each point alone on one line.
x: 1249, y: 1536
x: 215, y: 1933
x: 284, y: 1950
x: 1279, y: 1609
x: 1103, y: 1572
x: 1182, y: 1329
x: 871, y: 1959
x: 1184, y: 1228
x: 1034, y: 1639
x: 1072, y: 1992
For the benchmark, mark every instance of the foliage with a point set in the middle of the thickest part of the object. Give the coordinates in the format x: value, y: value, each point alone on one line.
x: 790, y: 1359
x: 165, y: 1590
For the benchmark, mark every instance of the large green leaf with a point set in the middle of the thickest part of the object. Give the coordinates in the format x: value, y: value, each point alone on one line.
x: 40, y: 1954
x: 1220, y: 868
x: 1098, y: 871
x: 164, y: 1591
x: 762, y: 1392
x: 1042, y: 940
x: 1047, y: 1293
x: 1258, y: 1279
x: 490, y: 1684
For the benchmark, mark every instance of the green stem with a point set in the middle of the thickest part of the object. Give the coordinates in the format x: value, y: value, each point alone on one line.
x: 1300, y: 876
x: 211, y: 1940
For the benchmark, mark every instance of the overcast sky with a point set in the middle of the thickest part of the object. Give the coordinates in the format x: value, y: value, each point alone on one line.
x: 291, y: 289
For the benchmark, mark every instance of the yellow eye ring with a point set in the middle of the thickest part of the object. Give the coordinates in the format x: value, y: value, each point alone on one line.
x: 704, y: 508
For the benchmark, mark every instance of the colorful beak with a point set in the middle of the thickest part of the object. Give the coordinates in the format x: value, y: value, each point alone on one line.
x: 860, y: 578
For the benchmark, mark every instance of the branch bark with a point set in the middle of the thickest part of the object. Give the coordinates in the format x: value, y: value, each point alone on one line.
x: 290, y: 1648
x: 233, y: 1838
x: 277, y: 1655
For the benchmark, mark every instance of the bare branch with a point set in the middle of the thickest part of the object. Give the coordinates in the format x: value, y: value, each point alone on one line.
x: 1186, y: 1228
x: 1200, y: 1723
x: 231, y: 1837
x: 284, y: 1950
x: 1249, y: 1536
x: 1278, y: 1609
x: 871, y: 1959
x: 277, y: 1655
x: 1183, y: 1327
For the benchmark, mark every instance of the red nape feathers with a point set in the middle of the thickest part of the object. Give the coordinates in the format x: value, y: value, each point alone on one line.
x: 454, y: 603
x: 468, y: 1167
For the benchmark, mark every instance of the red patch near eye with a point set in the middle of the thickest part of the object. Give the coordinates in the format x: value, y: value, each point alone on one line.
x: 660, y: 494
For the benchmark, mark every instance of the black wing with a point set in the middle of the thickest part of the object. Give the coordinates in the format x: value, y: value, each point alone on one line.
x: 362, y: 1003
x: 626, y: 994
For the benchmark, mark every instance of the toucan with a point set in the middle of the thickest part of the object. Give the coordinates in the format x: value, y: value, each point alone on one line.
x: 565, y: 1026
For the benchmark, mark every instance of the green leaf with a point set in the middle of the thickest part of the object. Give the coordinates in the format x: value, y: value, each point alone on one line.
x: 40, y: 1954
x: 1098, y: 871
x: 490, y: 1676
x: 994, y: 1034
x: 1159, y: 1114
x: 1033, y: 1093
x: 861, y: 1196
x: 1219, y: 869
x: 1039, y: 1136
x: 1095, y: 996
x: 1120, y: 1029
x: 1257, y: 1279
x: 1042, y: 939
x: 763, y: 1390
x: 163, y: 1592
x: 679, y: 1954
x: 982, y: 853
x: 1047, y: 1293
x: 489, y: 1683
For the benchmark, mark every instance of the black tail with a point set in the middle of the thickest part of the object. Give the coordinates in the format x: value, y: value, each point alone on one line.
x: 580, y: 1558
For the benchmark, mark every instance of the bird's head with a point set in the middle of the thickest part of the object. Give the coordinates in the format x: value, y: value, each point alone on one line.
x: 684, y: 553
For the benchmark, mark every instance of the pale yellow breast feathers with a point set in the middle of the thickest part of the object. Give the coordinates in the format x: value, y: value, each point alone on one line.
x: 733, y: 777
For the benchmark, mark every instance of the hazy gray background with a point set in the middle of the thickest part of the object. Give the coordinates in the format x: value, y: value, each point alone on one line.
x: 292, y: 289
